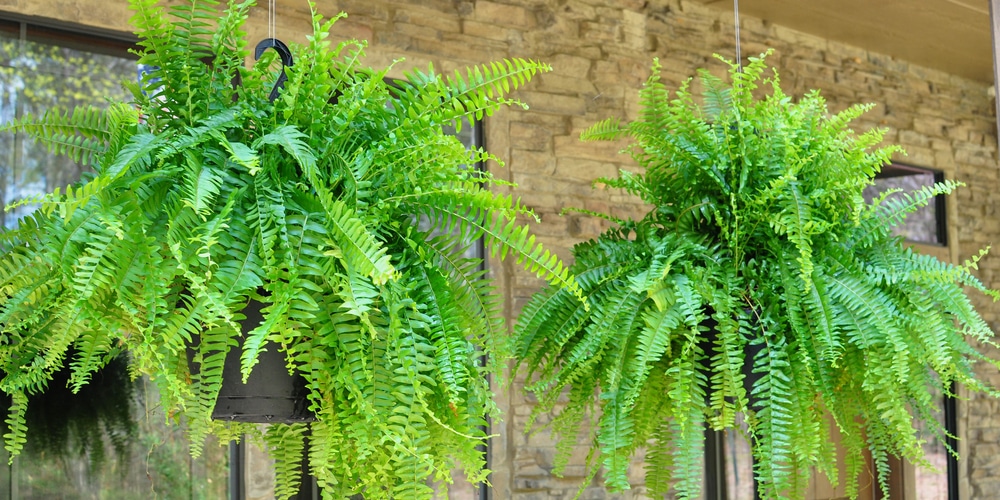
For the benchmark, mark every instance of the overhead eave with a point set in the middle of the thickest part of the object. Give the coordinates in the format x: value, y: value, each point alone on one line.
x: 949, y: 35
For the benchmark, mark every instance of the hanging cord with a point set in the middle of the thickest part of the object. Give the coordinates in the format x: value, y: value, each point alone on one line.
x: 736, y: 16
x: 271, y: 25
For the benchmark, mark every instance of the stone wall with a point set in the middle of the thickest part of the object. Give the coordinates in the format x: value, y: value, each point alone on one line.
x: 601, y: 51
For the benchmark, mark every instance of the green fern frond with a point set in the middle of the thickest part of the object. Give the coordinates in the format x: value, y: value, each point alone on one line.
x: 82, y: 134
x: 891, y: 212
x: 605, y: 130
x: 286, y: 444
x: 355, y: 245
x: 659, y: 459
x: 16, y: 436
x: 206, y: 380
x: 93, y: 351
x: 507, y: 237
x: 293, y: 142
x: 473, y: 292
x: 136, y: 152
x: 550, y: 320
x: 718, y: 96
x: 477, y: 93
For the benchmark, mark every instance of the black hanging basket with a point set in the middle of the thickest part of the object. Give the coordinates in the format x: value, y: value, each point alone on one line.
x: 715, y: 481
x: 271, y: 394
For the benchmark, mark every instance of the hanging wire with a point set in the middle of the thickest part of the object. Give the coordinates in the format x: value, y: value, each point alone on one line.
x: 736, y: 16
x: 270, y: 19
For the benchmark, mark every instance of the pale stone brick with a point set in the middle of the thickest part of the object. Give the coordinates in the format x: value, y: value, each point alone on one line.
x: 572, y: 147
x: 530, y: 137
x: 571, y: 66
x: 464, y: 48
x: 415, y: 31
x: 422, y: 16
x: 634, y: 29
x: 348, y: 29
x: 542, y: 102
x: 584, y: 170
x: 566, y: 85
x: 500, y: 14
x: 541, y: 162
x: 576, y: 10
x: 489, y: 31
x: 600, y: 31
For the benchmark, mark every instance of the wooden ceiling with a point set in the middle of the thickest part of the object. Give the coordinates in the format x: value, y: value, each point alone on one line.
x: 950, y: 35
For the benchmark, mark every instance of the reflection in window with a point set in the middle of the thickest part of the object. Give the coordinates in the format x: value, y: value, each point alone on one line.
x: 40, y: 70
x: 36, y: 77
x: 926, y: 225
x: 60, y: 460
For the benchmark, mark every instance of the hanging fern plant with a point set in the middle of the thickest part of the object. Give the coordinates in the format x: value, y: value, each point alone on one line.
x: 208, y: 193
x: 759, y: 283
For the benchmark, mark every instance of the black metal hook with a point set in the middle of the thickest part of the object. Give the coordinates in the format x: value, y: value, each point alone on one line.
x: 286, y: 61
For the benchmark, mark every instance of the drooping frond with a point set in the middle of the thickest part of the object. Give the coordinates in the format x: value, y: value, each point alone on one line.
x: 605, y: 130
x: 503, y: 235
x: 286, y: 443
x: 477, y: 93
x: 81, y: 134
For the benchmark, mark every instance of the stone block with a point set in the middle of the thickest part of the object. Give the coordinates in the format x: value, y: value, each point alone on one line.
x: 602, y: 151
x: 530, y: 137
x: 410, y: 30
x: 566, y: 85
x: 571, y: 66
x: 501, y: 14
x: 541, y: 162
x: 546, y: 102
x: 585, y: 170
x: 421, y: 16
x: 601, y: 31
x: 489, y: 30
x: 634, y: 30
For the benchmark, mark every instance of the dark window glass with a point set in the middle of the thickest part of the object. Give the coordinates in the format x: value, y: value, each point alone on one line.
x: 927, y: 224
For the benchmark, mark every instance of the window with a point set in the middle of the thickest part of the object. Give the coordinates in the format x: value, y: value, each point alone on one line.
x: 927, y: 224
x: 40, y: 69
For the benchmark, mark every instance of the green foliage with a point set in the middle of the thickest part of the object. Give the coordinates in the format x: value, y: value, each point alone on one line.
x: 207, y: 195
x: 760, y: 283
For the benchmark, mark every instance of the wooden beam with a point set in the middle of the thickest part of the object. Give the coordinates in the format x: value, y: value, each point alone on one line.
x: 995, y: 34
